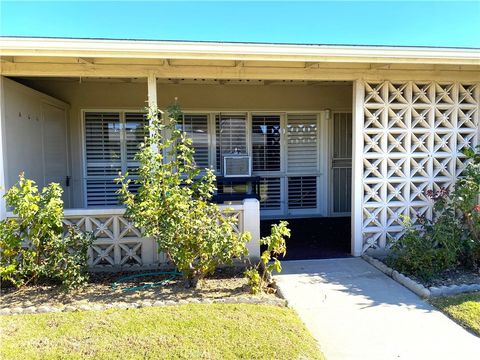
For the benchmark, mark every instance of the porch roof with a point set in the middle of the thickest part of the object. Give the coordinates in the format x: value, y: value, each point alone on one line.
x: 24, y: 56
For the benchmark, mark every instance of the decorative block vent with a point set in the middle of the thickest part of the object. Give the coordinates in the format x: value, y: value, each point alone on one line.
x: 413, y: 137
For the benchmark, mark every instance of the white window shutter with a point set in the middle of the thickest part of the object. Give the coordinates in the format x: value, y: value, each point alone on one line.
x: 302, y: 143
x: 111, y: 142
x: 196, y: 127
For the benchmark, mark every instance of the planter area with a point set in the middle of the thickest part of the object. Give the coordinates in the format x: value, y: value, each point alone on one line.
x: 227, y: 285
x: 458, y: 282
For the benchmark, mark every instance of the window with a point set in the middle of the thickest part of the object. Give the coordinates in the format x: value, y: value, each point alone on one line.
x: 266, y: 143
x: 196, y: 127
x: 231, y: 131
x: 111, y: 142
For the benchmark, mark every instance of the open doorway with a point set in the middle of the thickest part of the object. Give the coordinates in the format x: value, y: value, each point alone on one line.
x: 327, y: 236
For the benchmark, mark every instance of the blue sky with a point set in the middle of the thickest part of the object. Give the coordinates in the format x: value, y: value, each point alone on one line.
x: 411, y: 23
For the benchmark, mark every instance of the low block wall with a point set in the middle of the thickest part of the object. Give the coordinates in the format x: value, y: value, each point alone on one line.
x: 120, y: 246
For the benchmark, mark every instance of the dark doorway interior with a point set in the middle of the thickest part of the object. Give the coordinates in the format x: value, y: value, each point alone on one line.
x: 315, y: 238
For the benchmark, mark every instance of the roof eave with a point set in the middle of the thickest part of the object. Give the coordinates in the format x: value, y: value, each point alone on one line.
x: 13, y: 46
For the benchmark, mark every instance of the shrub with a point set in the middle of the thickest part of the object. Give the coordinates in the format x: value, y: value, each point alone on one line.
x: 452, y: 237
x: 31, y: 244
x: 260, y: 275
x: 172, y: 203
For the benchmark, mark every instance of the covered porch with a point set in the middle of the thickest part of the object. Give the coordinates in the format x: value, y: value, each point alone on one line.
x: 306, y: 117
x: 88, y: 130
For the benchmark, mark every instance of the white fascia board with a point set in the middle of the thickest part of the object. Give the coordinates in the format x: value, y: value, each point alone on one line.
x: 13, y: 46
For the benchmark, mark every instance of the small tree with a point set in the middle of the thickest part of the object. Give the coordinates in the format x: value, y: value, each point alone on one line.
x: 31, y: 244
x: 172, y: 202
x: 259, y: 276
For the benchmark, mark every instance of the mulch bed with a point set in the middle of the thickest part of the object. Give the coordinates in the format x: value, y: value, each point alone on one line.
x: 458, y: 276
x: 224, y: 283
x: 452, y: 277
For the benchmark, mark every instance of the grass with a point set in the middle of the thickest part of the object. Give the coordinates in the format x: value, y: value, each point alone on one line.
x: 194, y: 331
x: 463, y: 308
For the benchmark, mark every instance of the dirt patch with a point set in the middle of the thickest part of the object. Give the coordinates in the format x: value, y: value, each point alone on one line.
x: 224, y: 283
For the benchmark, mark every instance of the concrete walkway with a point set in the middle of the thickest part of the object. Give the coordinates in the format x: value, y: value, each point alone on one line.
x: 357, y: 312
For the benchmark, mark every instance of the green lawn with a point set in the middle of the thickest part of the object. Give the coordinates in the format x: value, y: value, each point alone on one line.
x: 203, y: 331
x: 463, y: 308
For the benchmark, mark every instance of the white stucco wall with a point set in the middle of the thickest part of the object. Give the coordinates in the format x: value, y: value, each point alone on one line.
x: 25, y: 141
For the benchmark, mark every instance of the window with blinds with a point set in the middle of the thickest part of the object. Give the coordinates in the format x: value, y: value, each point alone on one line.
x: 231, y: 136
x: 302, y: 143
x: 266, y: 143
x: 196, y: 127
x: 111, y: 142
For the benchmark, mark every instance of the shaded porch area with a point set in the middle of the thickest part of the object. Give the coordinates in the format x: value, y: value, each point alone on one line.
x: 315, y: 238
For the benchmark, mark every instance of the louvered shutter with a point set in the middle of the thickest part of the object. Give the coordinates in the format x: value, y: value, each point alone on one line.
x: 196, y: 127
x: 302, y: 192
x: 302, y: 143
x: 270, y: 193
x: 111, y: 142
x: 266, y: 143
x: 231, y: 134
x: 302, y: 159
x: 103, y: 157
x: 135, y: 133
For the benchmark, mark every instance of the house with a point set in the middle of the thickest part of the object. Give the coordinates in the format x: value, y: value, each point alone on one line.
x: 329, y: 130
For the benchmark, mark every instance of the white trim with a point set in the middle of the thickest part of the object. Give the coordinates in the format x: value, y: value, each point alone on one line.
x: 357, y: 168
x: 17, y: 46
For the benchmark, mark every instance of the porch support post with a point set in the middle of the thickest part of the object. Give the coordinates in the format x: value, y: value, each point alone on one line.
x: 152, y: 90
x: 357, y: 168
x: 3, y: 183
x: 152, y: 96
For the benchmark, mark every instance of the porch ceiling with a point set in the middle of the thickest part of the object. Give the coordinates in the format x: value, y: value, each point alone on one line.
x: 182, y: 60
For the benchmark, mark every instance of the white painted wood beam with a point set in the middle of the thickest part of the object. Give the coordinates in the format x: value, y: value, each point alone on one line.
x: 213, y: 72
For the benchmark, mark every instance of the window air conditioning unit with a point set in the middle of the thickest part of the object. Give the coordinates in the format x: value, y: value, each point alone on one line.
x: 237, y: 165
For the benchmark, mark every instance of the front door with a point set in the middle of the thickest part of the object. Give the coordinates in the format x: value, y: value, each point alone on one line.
x: 342, y: 164
x: 55, y: 148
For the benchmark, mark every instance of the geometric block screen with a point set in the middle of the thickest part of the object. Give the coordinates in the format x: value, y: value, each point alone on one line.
x: 413, y: 135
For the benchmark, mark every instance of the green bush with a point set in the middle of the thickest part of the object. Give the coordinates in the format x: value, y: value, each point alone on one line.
x: 452, y: 237
x: 259, y: 276
x: 172, y: 203
x: 31, y: 245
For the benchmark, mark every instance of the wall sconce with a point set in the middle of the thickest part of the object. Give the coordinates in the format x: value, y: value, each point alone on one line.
x: 328, y: 114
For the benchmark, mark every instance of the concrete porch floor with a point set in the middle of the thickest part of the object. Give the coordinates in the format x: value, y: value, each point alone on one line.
x: 357, y: 312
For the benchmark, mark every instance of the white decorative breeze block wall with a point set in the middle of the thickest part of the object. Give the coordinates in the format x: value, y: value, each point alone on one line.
x: 119, y: 245
x: 413, y: 136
